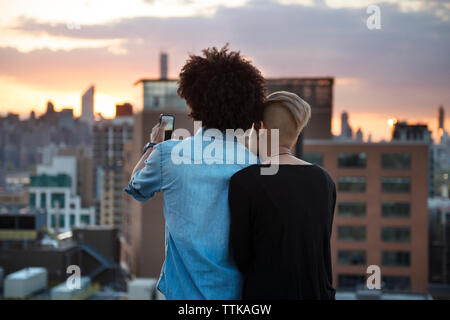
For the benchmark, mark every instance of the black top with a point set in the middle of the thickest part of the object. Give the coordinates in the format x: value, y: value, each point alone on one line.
x: 280, y: 231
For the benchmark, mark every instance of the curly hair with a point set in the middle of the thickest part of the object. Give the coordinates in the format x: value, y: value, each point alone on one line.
x: 223, y: 89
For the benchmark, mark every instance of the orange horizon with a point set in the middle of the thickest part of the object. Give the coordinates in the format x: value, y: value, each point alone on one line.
x: 377, y: 125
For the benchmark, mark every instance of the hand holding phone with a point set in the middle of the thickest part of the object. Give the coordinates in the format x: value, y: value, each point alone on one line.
x: 169, y: 120
x: 163, y: 129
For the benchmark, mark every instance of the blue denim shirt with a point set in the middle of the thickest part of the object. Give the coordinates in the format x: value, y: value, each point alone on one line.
x: 198, y: 263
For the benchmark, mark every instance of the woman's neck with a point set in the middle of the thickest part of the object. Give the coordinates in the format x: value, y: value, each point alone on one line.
x: 284, y: 150
x: 284, y: 155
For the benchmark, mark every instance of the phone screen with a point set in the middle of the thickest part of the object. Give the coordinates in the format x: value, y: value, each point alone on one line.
x: 168, y: 129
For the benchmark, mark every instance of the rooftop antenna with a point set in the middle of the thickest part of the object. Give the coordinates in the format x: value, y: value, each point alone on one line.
x: 163, y: 61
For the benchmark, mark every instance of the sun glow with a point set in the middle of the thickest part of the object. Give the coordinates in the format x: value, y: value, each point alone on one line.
x: 392, y: 122
x: 105, y: 104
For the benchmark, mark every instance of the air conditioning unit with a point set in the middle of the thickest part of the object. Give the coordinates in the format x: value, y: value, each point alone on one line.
x: 141, y: 289
x: 23, y: 283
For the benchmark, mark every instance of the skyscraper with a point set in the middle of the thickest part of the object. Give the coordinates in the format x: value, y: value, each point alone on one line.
x: 441, y: 117
x: 66, y: 119
x: 164, y: 60
x: 110, y: 136
x: 87, y: 106
x: 155, y: 94
x: 359, y: 135
x: 346, y: 129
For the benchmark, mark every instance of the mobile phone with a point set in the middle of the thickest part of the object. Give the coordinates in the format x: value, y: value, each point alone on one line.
x: 168, y: 129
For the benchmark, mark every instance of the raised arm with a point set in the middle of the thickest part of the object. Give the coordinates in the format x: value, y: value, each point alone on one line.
x: 156, y: 137
x: 146, y: 179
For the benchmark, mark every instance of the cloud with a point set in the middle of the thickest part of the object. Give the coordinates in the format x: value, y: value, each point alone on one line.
x: 439, y: 8
x: 290, y: 38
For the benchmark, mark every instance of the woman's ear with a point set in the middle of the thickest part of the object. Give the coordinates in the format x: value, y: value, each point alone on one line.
x: 258, y: 125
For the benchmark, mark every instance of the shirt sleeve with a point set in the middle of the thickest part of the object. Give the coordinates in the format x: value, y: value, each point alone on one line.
x: 147, y: 181
x: 240, y: 225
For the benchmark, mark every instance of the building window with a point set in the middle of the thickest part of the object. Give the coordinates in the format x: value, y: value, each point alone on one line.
x: 313, y: 157
x: 395, y: 234
x: 156, y: 102
x: 61, y: 220
x: 351, y: 257
x: 396, y: 283
x: 352, y: 209
x: 352, y: 160
x: 58, y: 198
x: 395, y: 258
x: 43, y: 200
x: 395, y: 209
x: 350, y: 281
x: 32, y: 199
x: 395, y: 185
x: 352, y: 184
x: 84, y: 218
x: 72, y: 220
x: 396, y: 161
x: 352, y: 233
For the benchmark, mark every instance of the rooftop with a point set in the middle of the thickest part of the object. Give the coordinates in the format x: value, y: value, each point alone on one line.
x: 154, y: 80
x: 356, y: 143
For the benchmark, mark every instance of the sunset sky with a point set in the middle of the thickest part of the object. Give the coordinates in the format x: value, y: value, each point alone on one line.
x: 54, y: 50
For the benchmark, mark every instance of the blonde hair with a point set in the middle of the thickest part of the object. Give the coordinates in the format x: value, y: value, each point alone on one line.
x: 287, y: 112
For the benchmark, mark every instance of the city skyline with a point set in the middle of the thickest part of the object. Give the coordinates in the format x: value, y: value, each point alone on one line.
x: 336, y: 122
x: 399, y: 71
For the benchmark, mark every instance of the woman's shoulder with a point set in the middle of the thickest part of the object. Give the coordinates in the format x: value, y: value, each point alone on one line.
x: 327, y: 175
x: 246, y: 172
x: 255, y: 170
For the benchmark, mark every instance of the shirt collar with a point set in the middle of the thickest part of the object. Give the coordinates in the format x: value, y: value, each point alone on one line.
x: 214, y: 134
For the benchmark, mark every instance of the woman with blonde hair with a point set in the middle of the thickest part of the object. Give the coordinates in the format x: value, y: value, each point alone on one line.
x: 281, y: 224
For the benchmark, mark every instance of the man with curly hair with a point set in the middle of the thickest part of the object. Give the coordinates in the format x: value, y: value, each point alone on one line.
x: 224, y: 91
